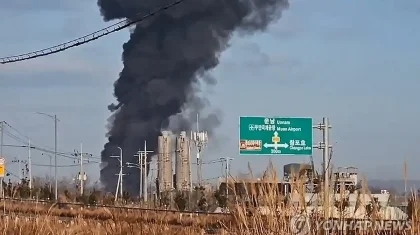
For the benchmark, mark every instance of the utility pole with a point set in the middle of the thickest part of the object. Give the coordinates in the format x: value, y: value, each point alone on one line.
x: 145, y: 172
x: 189, y: 156
x: 82, y: 177
x: 140, y: 162
x: 1, y: 156
x: 81, y: 170
x: 20, y: 169
x: 30, y: 167
x: 118, y: 185
x: 29, y: 164
x: 325, y: 146
x: 227, y: 159
x: 50, y: 172
x: 55, y: 157
x: 54, y: 117
x: 120, y: 175
x: 142, y: 166
x: 405, y: 182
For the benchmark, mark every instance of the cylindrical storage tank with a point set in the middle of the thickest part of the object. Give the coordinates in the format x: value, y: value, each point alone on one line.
x: 295, y: 168
x: 165, y: 162
x: 182, y: 163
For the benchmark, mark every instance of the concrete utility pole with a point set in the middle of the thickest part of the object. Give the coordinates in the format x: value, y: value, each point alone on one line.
x: 55, y: 157
x: 189, y: 156
x: 30, y: 166
x: 81, y: 170
x: 142, y: 166
x: 227, y: 159
x: 17, y: 160
x: 1, y: 155
x: 145, y: 171
x: 325, y: 146
x: 118, y: 185
x: 54, y: 117
x: 82, y: 177
x: 138, y: 166
x: 120, y: 175
x: 20, y: 169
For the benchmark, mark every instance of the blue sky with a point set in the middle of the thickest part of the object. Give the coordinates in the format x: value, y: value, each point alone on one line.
x: 355, y: 62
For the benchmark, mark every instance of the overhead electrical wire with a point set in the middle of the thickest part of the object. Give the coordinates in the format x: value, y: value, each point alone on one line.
x: 71, y: 165
x: 25, y: 145
x: 85, y: 39
x: 69, y: 155
x: 12, y: 174
x: 26, y: 142
x: 44, y: 149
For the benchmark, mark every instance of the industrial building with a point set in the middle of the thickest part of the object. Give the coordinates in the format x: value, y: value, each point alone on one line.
x: 165, y: 156
x: 183, y: 163
x: 174, y: 153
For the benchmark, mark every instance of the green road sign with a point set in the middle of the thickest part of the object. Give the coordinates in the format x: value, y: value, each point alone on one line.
x: 275, y: 136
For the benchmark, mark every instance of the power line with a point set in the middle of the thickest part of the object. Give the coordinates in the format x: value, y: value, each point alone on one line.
x: 12, y: 174
x: 44, y: 148
x: 85, y: 39
x: 25, y: 145
x: 72, y: 165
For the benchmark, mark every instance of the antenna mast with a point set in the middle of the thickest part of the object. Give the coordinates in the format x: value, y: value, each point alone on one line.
x: 200, y: 139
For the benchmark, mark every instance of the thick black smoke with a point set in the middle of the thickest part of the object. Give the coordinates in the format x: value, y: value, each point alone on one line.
x: 165, y: 60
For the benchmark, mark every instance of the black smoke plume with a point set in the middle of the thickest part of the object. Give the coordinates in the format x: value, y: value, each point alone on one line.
x: 165, y: 60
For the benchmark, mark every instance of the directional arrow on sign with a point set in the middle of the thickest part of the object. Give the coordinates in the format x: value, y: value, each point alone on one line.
x: 275, y: 145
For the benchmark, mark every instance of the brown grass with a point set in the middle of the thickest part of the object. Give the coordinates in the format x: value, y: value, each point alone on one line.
x: 46, y: 225
x: 244, y: 220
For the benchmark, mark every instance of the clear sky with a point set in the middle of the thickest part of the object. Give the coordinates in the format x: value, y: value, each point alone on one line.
x: 354, y: 61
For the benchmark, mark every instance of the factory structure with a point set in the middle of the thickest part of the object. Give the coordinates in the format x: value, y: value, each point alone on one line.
x: 345, y: 184
x: 174, y: 163
x: 174, y: 174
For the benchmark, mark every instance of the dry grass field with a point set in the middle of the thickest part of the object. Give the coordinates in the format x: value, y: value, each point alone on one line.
x: 160, y: 223
x: 243, y: 220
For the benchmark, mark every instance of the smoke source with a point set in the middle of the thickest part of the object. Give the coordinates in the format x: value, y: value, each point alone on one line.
x: 165, y: 60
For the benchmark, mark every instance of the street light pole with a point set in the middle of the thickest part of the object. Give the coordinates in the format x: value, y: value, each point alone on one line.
x: 54, y: 117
